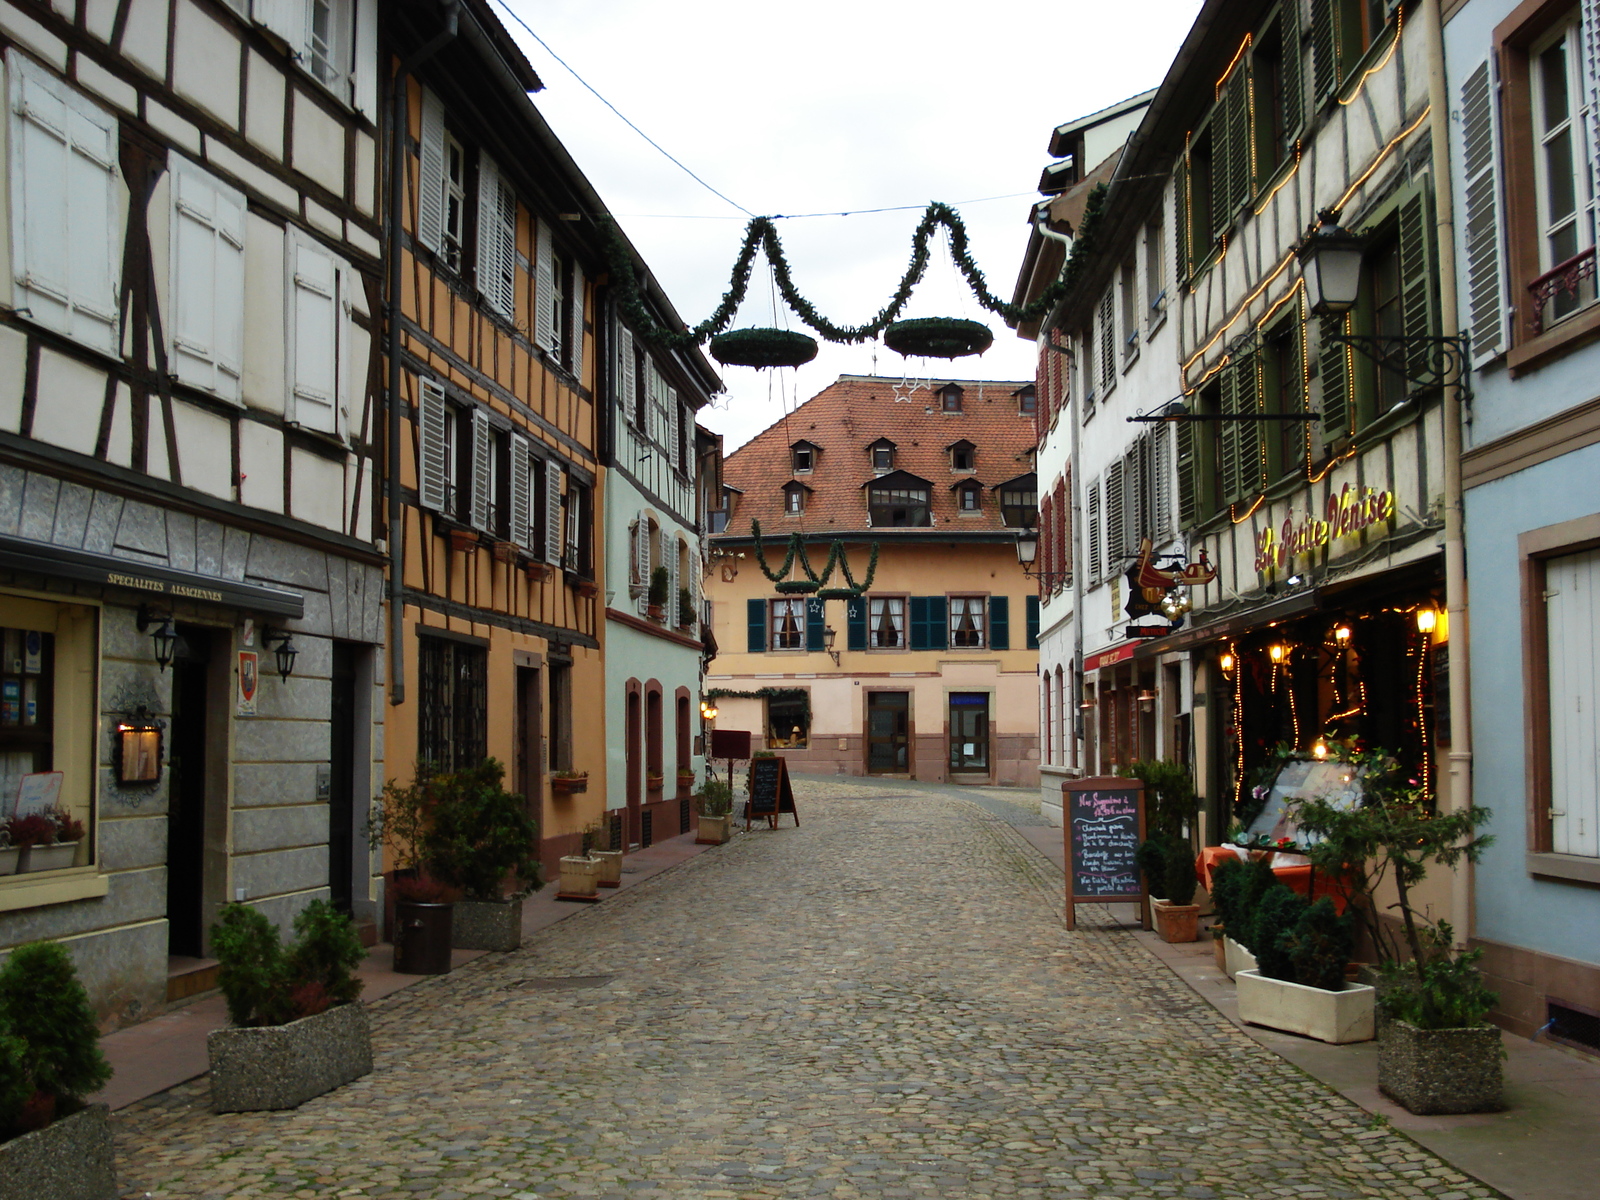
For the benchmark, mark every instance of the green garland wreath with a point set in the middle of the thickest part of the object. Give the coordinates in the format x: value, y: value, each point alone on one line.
x: 938, y: 337
x: 763, y: 234
x: 766, y: 693
x: 763, y: 348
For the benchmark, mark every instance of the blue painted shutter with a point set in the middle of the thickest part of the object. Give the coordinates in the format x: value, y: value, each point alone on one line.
x: 756, y: 614
x: 855, y: 617
x: 919, y: 622
x: 1033, y: 622
x: 938, y: 623
x: 1000, y: 622
x: 815, y: 622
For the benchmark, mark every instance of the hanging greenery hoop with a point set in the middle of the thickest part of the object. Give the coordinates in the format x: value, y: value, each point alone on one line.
x: 761, y: 233
x: 763, y: 348
x: 843, y: 593
x: 938, y: 337
x: 792, y: 587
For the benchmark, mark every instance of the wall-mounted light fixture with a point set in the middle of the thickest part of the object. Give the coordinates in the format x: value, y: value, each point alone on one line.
x: 1277, y: 652
x: 137, y: 747
x: 829, y: 633
x: 164, y: 637
x: 1341, y: 634
x: 286, y: 651
x: 1427, y: 619
x: 1227, y: 662
x: 1147, y: 699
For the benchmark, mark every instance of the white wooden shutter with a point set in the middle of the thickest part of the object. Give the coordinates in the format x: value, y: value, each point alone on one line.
x: 364, y: 78
x: 433, y: 471
x: 1095, y: 559
x: 672, y: 583
x: 576, y: 337
x: 544, y: 296
x: 66, y: 229
x: 521, y: 493
x: 1572, y: 618
x: 675, y: 411
x: 430, y: 176
x: 552, y: 512
x: 641, y: 551
x: 286, y: 18
x: 497, y: 239
x: 207, y: 280
x: 312, y: 328
x: 626, y: 383
x: 1480, y: 168
x: 482, y: 471
x: 1115, y: 515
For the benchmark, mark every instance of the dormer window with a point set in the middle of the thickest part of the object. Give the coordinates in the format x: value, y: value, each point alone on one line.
x: 898, y: 500
x: 803, y: 457
x: 882, y: 452
x: 950, y: 398
x: 794, y: 497
x: 963, y: 455
x: 1019, y: 501
x: 969, y: 497
x: 802, y: 460
x: 1028, y: 399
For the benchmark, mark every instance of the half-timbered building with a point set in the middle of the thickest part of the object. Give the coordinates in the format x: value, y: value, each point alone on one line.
x: 190, y: 593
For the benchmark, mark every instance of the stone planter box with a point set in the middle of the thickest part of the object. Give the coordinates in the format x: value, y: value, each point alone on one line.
x: 1236, y: 958
x: 1440, y: 1070
x: 580, y: 876
x: 1336, y: 1017
x: 487, y: 924
x: 69, y: 1159
x: 714, y: 831
x: 1177, y: 922
x: 283, y: 1066
x: 47, y: 858
x: 610, y: 867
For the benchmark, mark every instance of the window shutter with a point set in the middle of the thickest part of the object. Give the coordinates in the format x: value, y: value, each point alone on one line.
x: 364, y: 83
x: 694, y: 583
x: 1000, y: 622
x: 672, y: 583
x: 1241, y: 181
x: 938, y: 623
x: 576, y: 339
x: 430, y: 175
x: 1161, y: 482
x: 312, y: 349
x: 756, y: 618
x: 1032, y: 616
x: 625, y: 375
x: 1324, y: 49
x: 482, y: 468
x: 1333, y: 366
x: 544, y: 298
x: 66, y: 238
x: 1480, y: 162
x: 552, y: 512
x: 1115, y: 515
x: 919, y: 622
x: 1293, y: 82
x: 497, y: 239
x: 855, y: 623
x: 676, y: 415
x: 1188, y: 477
x: 432, y: 413
x: 1246, y: 399
x: 815, y: 623
x: 207, y: 261
x: 1417, y: 275
x: 1591, y: 102
x: 641, y: 550
x: 521, y: 493
x: 286, y: 18
x: 1094, y: 532
x: 1108, y: 341
x: 1180, y: 189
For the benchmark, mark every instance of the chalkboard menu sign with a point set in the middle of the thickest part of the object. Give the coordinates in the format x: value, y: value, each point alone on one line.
x: 770, y: 791
x: 1103, y: 825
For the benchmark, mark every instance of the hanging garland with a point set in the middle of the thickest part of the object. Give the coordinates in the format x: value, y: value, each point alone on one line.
x: 762, y: 233
x: 812, y: 581
x: 766, y: 693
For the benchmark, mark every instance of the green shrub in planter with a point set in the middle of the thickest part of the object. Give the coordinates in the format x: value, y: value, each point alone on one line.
x: 1167, y: 861
x: 1256, y: 880
x: 1444, y: 991
x: 1320, y: 945
x: 660, y: 582
x: 49, y: 1042
x: 685, y: 607
x: 714, y: 799
x: 265, y: 983
x: 1273, y: 919
x: 481, y: 833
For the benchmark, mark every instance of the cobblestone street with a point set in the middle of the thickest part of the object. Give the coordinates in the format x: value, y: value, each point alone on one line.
x: 883, y: 1002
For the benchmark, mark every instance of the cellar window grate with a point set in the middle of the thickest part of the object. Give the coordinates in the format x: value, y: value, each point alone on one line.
x: 1573, y: 1025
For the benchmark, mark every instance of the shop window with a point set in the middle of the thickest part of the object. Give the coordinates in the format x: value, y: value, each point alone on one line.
x: 887, y: 622
x: 26, y: 708
x: 452, y: 709
x: 788, y: 723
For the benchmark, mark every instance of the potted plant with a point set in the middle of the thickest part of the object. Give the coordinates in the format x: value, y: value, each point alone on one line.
x: 299, y: 1029
x: 685, y: 609
x: 423, y: 913
x: 714, y: 804
x: 1167, y: 857
x: 660, y: 582
x: 685, y: 779
x: 580, y: 873
x: 1299, y: 985
x: 481, y: 837
x: 50, y: 1060
x: 1437, y: 1051
x: 654, y: 781
x: 610, y: 860
x: 1236, y: 891
x: 60, y: 845
x: 569, y: 783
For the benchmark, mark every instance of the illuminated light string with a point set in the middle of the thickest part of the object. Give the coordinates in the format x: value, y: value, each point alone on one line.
x: 1222, y: 82
x: 1399, y: 28
x: 1240, y: 520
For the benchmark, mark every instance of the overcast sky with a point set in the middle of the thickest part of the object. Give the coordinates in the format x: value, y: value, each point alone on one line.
x: 826, y: 107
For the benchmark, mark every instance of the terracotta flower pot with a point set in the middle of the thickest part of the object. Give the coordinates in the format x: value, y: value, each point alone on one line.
x: 1177, y: 922
x: 568, y: 785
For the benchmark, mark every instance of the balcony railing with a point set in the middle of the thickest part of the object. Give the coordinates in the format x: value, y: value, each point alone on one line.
x: 1564, y: 279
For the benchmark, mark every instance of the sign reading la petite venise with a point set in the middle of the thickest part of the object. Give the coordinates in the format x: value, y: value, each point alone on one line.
x: 1348, y: 512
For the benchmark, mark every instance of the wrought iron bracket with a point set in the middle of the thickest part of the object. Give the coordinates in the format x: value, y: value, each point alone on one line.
x: 1428, y: 361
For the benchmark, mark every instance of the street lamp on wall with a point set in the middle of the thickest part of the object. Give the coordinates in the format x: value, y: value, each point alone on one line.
x: 1028, y: 552
x: 829, y: 633
x: 286, y: 652
x: 164, y: 637
x: 1330, y: 263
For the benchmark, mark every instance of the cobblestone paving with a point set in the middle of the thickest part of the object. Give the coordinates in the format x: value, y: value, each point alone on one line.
x: 881, y: 1003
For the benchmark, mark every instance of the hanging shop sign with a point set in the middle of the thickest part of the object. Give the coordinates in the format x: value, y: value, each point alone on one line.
x: 1348, y: 512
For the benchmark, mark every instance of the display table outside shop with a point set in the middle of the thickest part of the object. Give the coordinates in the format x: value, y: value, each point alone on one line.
x: 1295, y: 870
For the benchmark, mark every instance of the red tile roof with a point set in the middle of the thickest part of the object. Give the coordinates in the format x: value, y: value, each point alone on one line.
x: 844, y: 419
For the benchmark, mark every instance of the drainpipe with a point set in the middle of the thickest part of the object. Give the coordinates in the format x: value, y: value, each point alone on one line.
x: 1455, y: 559
x: 398, y: 124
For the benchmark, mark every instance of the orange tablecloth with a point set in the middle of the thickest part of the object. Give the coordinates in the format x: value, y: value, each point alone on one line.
x: 1301, y: 879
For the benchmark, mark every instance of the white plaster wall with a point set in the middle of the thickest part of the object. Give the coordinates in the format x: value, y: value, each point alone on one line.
x: 67, y: 411
x: 261, y: 465
x: 263, y: 381
x: 205, y: 449
x: 264, y: 105
x: 13, y: 373
x: 316, y: 489
x: 318, y: 149
x: 205, y: 64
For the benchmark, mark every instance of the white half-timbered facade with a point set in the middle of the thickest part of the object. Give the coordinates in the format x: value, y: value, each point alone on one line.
x: 187, y: 486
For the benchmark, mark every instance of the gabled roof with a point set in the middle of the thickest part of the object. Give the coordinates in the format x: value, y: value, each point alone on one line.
x: 964, y: 442
x: 804, y: 442
x: 897, y: 479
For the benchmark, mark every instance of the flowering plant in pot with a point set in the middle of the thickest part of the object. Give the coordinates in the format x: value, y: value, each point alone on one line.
x: 297, y: 1029
x: 482, y: 838
x: 569, y: 783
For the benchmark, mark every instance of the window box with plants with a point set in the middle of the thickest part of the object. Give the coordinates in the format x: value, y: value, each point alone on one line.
x: 656, y: 603
x: 1167, y: 856
x: 481, y: 841
x: 299, y: 1029
x: 569, y: 783
x: 52, y: 1144
x: 580, y: 873
x: 1437, y: 1050
x: 685, y: 779
x: 43, y: 841
x: 654, y: 781
x: 714, y: 806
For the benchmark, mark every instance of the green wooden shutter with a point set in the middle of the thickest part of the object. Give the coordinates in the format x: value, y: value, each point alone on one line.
x: 1334, y: 368
x: 938, y: 623
x: 1000, y: 622
x: 1324, y: 49
x: 919, y: 623
x: 1241, y: 162
x: 816, y: 622
x: 1180, y: 187
x: 1221, y: 167
x: 855, y: 623
x: 1032, y: 608
x: 1417, y: 303
x: 1294, y: 102
x: 756, y: 615
x: 1228, y: 438
x: 1247, y: 398
x: 1188, y: 477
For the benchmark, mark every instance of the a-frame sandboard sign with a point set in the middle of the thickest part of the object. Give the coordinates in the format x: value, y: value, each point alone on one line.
x: 1103, y: 824
x: 769, y: 790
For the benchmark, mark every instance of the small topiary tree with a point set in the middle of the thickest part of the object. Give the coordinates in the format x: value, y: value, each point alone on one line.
x: 15, y: 1086
x: 45, y: 1011
x: 1274, y: 917
x: 660, y: 583
x: 265, y: 983
x: 686, y: 615
x: 714, y: 799
x: 1255, y: 882
x: 481, y: 833
x: 251, y: 972
x: 1320, y: 945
